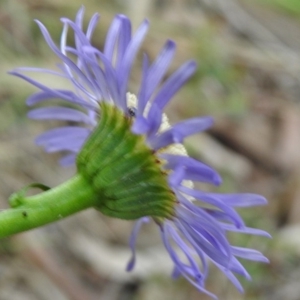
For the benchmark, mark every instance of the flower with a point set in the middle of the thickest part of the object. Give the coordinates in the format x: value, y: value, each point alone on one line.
x: 151, y: 176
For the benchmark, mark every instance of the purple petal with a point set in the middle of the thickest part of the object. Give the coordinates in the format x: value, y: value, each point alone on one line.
x: 176, y: 177
x: 169, y: 232
x: 232, y: 214
x: 62, y: 132
x: 68, y: 160
x: 79, y: 17
x: 207, y: 237
x: 71, y: 66
x: 111, y: 37
x: 132, y: 241
x: 240, y: 200
x: 155, y: 74
x: 237, y: 200
x: 234, y: 280
x: 178, y: 132
x: 51, y: 93
x: 245, y: 230
x: 142, y: 95
x: 59, y: 113
x: 170, y: 87
x: 79, y: 22
x: 110, y: 76
x: 159, y: 68
x: 37, y: 70
x: 140, y: 126
x: 154, y: 119
x: 92, y: 25
x: 63, y: 145
x: 249, y: 254
x: 236, y: 267
x: 94, y: 72
x: 190, y: 272
x: 194, y: 169
x: 98, y: 87
x: 123, y: 41
x: 123, y: 71
x: 80, y: 37
x: 174, y: 83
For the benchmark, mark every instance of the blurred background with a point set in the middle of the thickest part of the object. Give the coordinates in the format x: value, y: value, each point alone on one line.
x: 248, y: 79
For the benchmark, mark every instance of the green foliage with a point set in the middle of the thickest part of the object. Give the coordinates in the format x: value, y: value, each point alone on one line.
x: 287, y: 6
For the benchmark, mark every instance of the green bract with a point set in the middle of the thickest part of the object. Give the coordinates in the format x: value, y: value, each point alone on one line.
x: 123, y: 171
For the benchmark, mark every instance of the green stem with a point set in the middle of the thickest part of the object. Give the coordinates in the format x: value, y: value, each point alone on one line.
x: 34, y: 211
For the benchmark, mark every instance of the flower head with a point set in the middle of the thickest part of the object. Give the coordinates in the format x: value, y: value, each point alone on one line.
x: 126, y: 147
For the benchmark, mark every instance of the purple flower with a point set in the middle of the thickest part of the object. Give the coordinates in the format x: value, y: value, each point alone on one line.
x: 196, y: 233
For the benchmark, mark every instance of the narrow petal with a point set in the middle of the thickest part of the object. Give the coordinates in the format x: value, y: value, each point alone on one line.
x: 62, y: 133
x: 140, y: 126
x: 80, y: 37
x: 174, y: 83
x: 123, y: 71
x: 178, y: 132
x: 68, y: 160
x: 92, y: 25
x: 110, y: 76
x: 72, y: 67
x: 212, y: 242
x: 232, y: 214
x: 65, y: 95
x: 86, y: 64
x: 57, y: 94
x: 168, y: 233
x: 79, y: 17
x: 160, y: 66
x: 38, y: 70
x: 249, y: 254
x: 59, y: 113
x: 111, y: 37
x: 67, y: 144
x: 236, y: 267
x: 123, y: 41
x: 194, y: 169
x: 154, y: 119
x: 176, y: 177
x: 190, y: 272
x: 132, y: 241
x: 245, y: 230
x: 142, y: 94
x: 153, y: 75
x: 234, y: 280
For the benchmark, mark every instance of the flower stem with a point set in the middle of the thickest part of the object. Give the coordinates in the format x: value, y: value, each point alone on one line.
x: 34, y: 211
